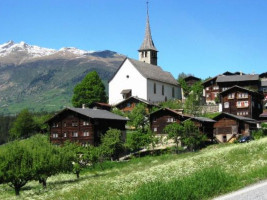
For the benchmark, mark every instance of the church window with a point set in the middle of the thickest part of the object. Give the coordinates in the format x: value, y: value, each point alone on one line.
x: 145, y: 54
x: 155, y: 88
x: 162, y: 90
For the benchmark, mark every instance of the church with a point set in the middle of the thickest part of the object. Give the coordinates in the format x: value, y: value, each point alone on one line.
x: 143, y: 78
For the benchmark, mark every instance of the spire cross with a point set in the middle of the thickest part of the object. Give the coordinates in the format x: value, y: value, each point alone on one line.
x: 147, y: 7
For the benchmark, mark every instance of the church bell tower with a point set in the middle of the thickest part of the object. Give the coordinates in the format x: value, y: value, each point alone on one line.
x: 148, y: 51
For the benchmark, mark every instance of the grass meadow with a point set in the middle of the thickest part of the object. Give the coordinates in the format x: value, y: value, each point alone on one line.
x: 205, y: 174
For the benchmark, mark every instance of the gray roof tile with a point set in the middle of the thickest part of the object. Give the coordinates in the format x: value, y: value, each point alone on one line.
x: 237, y: 78
x: 153, y: 72
x: 98, y: 114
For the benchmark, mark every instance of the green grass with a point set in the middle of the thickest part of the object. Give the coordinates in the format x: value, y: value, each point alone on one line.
x: 213, y: 171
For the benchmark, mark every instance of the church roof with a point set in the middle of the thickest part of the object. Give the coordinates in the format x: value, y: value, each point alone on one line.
x: 148, y: 43
x: 153, y: 72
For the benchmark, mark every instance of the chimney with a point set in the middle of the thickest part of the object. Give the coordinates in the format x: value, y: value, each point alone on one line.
x: 83, y: 106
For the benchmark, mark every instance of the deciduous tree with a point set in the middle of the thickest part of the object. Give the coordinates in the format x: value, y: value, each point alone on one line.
x: 89, y: 90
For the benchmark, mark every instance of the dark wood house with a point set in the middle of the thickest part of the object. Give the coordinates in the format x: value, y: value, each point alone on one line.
x: 243, y: 80
x: 211, y: 90
x: 103, y: 106
x: 129, y: 104
x: 161, y: 118
x: 83, y: 125
x: 191, y: 80
x: 228, y: 127
x: 242, y: 102
x: 205, y: 125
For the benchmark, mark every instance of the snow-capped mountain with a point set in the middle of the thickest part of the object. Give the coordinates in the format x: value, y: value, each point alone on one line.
x: 43, y: 79
x: 18, y: 53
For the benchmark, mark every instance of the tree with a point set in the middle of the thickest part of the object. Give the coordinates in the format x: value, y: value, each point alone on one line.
x: 46, y: 158
x: 89, y: 90
x: 16, y: 165
x: 193, y: 139
x: 138, y: 117
x: 137, y: 140
x: 193, y: 101
x: 176, y: 132
x: 24, y: 126
x: 111, y: 144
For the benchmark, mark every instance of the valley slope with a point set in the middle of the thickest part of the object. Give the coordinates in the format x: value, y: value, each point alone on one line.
x: 43, y: 79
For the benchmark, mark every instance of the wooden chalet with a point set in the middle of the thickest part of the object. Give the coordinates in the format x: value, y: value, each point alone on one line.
x: 103, y: 106
x: 191, y: 80
x: 228, y: 127
x: 83, y: 125
x: 242, y: 102
x: 205, y: 125
x: 243, y: 80
x: 263, y: 117
x: 161, y: 118
x: 211, y: 90
x: 129, y: 104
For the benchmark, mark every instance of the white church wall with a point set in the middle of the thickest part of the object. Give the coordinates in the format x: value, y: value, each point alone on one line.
x: 158, y: 97
x: 127, y: 77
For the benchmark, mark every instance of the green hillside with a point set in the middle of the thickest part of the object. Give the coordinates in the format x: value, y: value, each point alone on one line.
x: 201, y: 175
x: 47, y: 85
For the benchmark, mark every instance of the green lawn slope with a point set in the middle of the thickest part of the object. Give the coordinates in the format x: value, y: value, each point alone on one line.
x: 213, y: 171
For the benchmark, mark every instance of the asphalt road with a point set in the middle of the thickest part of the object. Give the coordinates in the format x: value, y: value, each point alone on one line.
x: 254, y: 192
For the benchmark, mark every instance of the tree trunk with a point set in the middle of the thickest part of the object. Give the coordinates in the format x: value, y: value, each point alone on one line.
x: 78, y: 174
x: 17, y: 189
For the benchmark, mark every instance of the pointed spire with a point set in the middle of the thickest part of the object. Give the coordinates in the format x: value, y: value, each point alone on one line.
x: 148, y: 43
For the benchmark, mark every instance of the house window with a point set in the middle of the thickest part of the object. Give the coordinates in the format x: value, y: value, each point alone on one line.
x: 215, y: 94
x: 224, y: 138
x: 145, y: 54
x: 226, y: 104
x: 207, y: 88
x: 162, y: 90
x: 173, y: 92
x: 155, y: 88
x: 242, y: 104
x: 85, y: 123
x: 128, y: 105
x: 207, y: 95
x: 55, y: 124
x: 74, y: 123
x: 85, y: 133
x: 170, y: 119
x: 242, y: 95
x: 64, y: 124
x: 215, y: 87
x: 155, y: 119
x: 65, y: 134
x: 155, y: 129
x: 231, y: 96
x: 55, y: 135
x: 74, y: 134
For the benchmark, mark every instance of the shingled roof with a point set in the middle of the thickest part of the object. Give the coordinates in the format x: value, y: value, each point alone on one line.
x: 153, y: 72
x: 237, y: 78
x: 93, y: 113
x: 148, y: 43
x: 241, y: 118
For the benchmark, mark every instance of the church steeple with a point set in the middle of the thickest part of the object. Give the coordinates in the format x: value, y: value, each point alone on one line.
x: 148, y: 51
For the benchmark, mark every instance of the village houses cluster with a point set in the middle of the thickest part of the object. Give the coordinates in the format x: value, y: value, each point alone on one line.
x: 241, y: 99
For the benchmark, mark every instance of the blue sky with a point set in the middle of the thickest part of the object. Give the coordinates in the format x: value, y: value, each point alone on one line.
x: 201, y: 37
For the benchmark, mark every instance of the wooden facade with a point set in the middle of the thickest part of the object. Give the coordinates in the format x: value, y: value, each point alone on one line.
x: 79, y: 125
x: 103, y: 106
x: 163, y: 117
x: 211, y: 90
x: 228, y: 127
x: 129, y: 104
x: 191, y: 80
x: 242, y: 102
x: 205, y: 126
